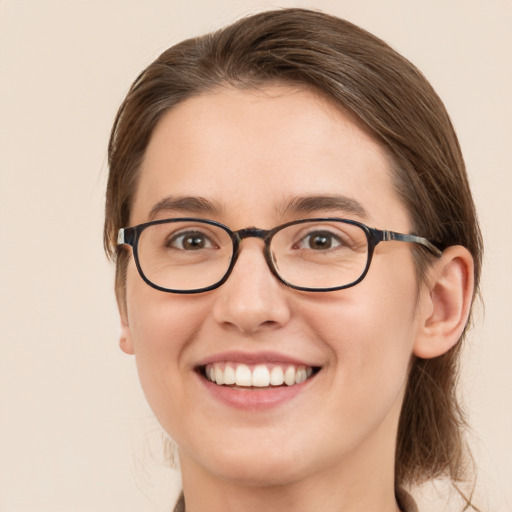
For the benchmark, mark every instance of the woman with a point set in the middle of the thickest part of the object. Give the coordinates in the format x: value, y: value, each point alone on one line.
x: 297, y: 253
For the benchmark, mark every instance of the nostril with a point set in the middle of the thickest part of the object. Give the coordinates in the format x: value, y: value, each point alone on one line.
x: 269, y: 323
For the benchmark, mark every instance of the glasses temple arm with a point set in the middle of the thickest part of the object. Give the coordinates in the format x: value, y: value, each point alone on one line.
x: 392, y: 235
x: 120, y: 237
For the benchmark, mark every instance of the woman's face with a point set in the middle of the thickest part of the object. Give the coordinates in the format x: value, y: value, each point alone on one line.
x: 248, y: 155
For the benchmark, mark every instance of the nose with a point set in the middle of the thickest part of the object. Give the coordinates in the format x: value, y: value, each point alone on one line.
x: 252, y: 299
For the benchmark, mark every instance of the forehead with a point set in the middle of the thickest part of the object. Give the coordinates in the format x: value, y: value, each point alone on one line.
x: 252, y: 152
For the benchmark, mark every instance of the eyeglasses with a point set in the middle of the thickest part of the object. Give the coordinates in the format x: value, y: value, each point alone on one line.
x: 188, y: 255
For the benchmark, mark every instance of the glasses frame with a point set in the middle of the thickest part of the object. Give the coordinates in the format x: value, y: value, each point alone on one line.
x: 131, y: 236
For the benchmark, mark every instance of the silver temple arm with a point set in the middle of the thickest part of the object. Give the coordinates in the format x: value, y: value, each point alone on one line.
x: 120, y: 237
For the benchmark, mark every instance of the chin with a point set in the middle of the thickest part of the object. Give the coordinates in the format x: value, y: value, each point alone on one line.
x: 262, y: 474
x: 255, y: 467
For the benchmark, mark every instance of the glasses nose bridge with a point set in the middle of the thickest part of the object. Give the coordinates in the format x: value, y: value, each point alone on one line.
x: 262, y: 234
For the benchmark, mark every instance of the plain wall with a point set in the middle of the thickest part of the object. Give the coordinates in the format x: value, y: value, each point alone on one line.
x: 75, y: 433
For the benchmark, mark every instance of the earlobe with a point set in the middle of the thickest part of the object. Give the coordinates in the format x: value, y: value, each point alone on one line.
x: 125, y: 339
x: 446, y: 303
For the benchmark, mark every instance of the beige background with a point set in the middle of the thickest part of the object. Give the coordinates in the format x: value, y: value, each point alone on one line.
x: 75, y: 433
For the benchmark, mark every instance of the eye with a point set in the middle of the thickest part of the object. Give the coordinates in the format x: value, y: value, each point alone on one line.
x: 190, y: 241
x: 319, y: 241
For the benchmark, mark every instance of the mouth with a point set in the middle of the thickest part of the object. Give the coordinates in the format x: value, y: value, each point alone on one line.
x: 256, y: 376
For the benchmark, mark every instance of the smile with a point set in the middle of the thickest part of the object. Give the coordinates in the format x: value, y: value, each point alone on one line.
x: 256, y: 376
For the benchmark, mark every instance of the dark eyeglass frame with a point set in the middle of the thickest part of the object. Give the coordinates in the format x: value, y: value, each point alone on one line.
x: 131, y: 235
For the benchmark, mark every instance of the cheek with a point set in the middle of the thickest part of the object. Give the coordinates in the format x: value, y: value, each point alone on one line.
x: 371, y: 327
x: 369, y: 330
x: 159, y: 322
x: 161, y: 326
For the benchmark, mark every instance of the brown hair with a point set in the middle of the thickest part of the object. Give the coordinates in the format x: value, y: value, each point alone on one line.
x: 361, y: 73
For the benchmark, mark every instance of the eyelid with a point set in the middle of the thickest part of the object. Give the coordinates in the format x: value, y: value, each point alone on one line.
x: 306, y: 229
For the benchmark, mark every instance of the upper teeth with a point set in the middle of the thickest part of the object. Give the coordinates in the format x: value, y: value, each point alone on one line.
x: 260, y: 375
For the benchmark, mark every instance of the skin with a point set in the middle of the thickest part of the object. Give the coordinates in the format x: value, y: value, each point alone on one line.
x: 332, y: 446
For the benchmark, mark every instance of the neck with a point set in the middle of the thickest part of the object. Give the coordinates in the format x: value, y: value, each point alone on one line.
x: 301, y: 499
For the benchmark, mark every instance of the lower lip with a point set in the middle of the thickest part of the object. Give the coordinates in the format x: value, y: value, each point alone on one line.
x: 254, y: 398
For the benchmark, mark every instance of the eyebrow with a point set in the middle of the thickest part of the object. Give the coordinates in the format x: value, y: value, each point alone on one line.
x: 185, y: 204
x: 310, y: 204
x: 297, y: 205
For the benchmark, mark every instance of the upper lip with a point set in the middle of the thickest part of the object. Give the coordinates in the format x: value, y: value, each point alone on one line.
x: 254, y: 358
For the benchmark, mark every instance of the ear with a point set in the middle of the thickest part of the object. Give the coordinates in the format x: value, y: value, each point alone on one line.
x: 445, y: 303
x: 125, y: 339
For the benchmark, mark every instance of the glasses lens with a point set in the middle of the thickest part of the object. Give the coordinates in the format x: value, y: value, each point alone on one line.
x: 184, y: 255
x: 320, y: 254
